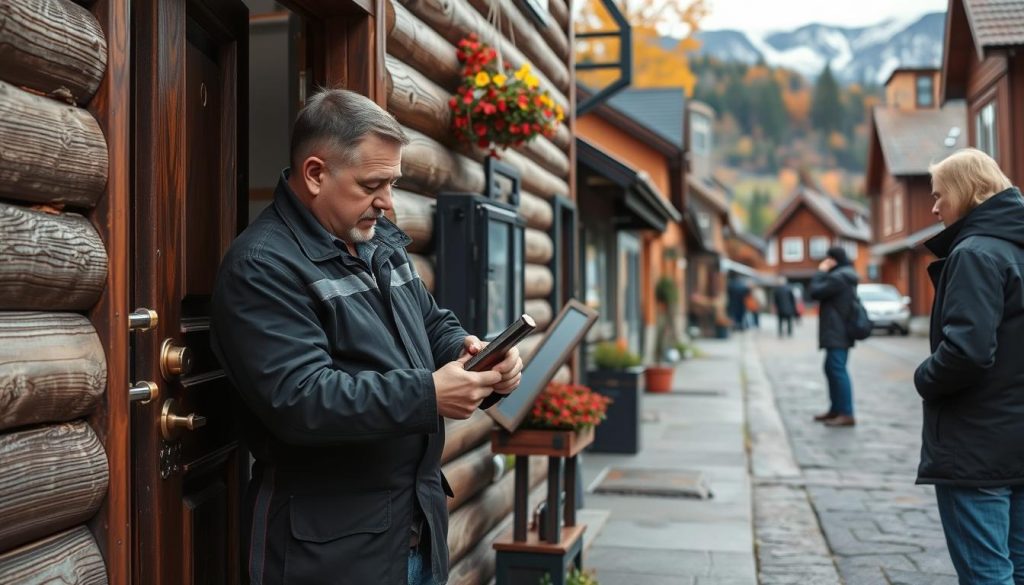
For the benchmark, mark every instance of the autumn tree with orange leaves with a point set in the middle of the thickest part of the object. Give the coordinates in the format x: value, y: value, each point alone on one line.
x: 656, y: 61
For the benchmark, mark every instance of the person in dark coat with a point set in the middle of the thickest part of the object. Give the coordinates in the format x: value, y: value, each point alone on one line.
x: 736, y: 302
x: 972, y: 385
x: 785, y: 308
x: 344, y: 365
x: 835, y: 287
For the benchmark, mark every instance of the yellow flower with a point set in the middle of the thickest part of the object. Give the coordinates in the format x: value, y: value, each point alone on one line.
x: 544, y: 99
x: 523, y: 71
x: 532, y: 81
x: 482, y: 79
x: 499, y: 79
x: 559, y: 113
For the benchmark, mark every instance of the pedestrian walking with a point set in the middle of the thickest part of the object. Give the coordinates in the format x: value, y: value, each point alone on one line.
x: 835, y: 288
x: 754, y: 303
x: 736, y: 293
x: 344, y: 365
x: 972, y: 385
x: 785, y: 308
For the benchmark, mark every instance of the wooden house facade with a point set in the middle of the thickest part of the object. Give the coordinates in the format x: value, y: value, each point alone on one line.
x: 904, y: 139
x: 983, y: 65
x: 137, y: 137
x: 630, y: 165
x: 707, y: 219
x: 808, y: 224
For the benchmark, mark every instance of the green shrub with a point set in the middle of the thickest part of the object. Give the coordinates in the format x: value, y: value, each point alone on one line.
x: 615, y: 356
x: 575, y: 577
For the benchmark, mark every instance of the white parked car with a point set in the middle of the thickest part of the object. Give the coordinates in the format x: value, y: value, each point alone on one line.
x: 886, y: 307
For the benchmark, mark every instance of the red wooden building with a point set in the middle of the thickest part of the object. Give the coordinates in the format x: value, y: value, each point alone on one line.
x: 907, y: 134
x: 808, y: 225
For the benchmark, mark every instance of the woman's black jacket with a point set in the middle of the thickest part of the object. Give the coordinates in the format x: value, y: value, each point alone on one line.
x: 836, y: 290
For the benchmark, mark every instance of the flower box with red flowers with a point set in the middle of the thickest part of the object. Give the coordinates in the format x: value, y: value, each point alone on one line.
x: 560, y: 424
x: 496, y: 107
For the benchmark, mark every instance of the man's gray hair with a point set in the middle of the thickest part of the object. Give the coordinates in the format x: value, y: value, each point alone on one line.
x: 338, y: 120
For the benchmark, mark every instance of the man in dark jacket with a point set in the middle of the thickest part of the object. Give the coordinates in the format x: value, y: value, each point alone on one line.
x: 785, y: 307
x: 972, y: 385
x: 835, y: 287
x: 344, y: 364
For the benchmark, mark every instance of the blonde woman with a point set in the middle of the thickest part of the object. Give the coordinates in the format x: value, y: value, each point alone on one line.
x: 973, y: 383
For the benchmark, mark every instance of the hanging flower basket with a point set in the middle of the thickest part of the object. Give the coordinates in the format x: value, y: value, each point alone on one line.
x: 496, y: 107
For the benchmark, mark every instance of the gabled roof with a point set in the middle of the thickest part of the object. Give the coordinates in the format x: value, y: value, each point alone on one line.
x: 996, y: 23
x: 978, y: 25
x: 658, y: 109
x: 913, y: 139
x: 907, y: 243
x: 828, y: 210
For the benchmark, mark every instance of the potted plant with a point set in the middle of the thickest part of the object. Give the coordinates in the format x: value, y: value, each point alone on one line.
x: 658, y: 376
x: 498, y: 107
x: 573, y: 577
x: 619, y: 377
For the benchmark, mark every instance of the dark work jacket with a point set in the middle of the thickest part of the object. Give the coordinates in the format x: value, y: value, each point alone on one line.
x: 333, y: 366
x: 785, y: 301
x: 835, y: 290
x: 973, y: 383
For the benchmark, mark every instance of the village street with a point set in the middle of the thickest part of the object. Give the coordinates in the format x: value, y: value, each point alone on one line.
x: 878, y: 526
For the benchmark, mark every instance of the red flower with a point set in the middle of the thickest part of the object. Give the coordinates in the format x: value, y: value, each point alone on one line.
x: 480, y: 129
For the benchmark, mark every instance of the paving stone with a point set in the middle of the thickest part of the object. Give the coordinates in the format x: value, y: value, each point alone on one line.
x: 858, y: 482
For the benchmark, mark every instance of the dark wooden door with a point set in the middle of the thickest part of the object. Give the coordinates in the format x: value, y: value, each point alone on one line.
x: 189, y: 168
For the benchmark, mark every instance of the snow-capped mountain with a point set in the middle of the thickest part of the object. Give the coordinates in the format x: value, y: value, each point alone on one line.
x: 863, y: 54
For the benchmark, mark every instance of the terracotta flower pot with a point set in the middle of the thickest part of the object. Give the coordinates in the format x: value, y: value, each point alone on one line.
x: 658, y: 379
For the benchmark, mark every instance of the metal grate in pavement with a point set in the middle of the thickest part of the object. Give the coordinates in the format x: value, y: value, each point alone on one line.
x: 666, y: 483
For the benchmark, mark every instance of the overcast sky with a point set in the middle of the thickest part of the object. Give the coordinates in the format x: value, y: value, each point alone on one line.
x: 761, y: 15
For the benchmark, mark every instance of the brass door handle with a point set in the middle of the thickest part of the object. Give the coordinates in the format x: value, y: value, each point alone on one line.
x: 171, y: 424
x: 175, y: 360
x: 143, y: 392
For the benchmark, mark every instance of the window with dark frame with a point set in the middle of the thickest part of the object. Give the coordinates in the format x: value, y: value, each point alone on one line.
x: 481, y: 255
x: 985, y: 128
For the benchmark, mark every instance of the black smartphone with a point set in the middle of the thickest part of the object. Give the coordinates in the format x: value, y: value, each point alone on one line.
x: 496, y: 350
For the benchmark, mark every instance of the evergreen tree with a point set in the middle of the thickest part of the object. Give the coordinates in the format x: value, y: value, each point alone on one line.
x: 756, y: 207
x: 826, y: 109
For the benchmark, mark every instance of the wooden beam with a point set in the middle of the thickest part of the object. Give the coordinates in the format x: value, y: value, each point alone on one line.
x: 538, y: 281
x: 468, y: 524
x: 55, y: 47
x: 539, y: 247
x: 455, y: 19
x: 535, y: 210
x: 70, y: 558
x: 52, y: 368
x: 535, y: 178
x: 52, y: 152
x: 434, y: 168
x: 414, y: 214
x: 560, y: 10
x: 540, y: 310
x: 535, y: 42
x: 53, y: 477
x: 53, y: 262
x: 465, y: 435
x: 468, y: 474
x: 415, y: 43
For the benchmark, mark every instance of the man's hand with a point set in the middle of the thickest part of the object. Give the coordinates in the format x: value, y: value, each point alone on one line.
x: 460, y: 392
x: 827, y: 264
x: 510, y: 368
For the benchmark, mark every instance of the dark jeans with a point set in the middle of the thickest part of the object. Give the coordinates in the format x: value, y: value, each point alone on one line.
x: 840, y: 390
x: 788, y: 321
x: 984, y: 533
x: 419, y: 569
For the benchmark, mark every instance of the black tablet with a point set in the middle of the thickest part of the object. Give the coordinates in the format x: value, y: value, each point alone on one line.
x: 495, y: 351
x: 560, y: 339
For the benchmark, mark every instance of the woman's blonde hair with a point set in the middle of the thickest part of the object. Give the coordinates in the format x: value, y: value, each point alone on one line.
x: 969, y: 177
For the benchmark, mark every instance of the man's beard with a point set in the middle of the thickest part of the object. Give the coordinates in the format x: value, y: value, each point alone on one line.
x: 359, y: 236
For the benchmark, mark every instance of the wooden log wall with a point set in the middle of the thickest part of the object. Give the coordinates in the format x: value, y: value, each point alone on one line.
x: 422, y: 73
x: 54, y: 477
x: 70, y: 558
x: 54, y: 171
x: 52, y: 368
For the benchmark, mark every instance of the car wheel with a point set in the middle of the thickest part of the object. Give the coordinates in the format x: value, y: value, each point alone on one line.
x: 905, y: 331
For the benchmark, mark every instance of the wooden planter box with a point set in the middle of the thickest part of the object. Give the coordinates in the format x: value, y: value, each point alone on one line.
x: 620, y: 432
x: 541, y: 442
